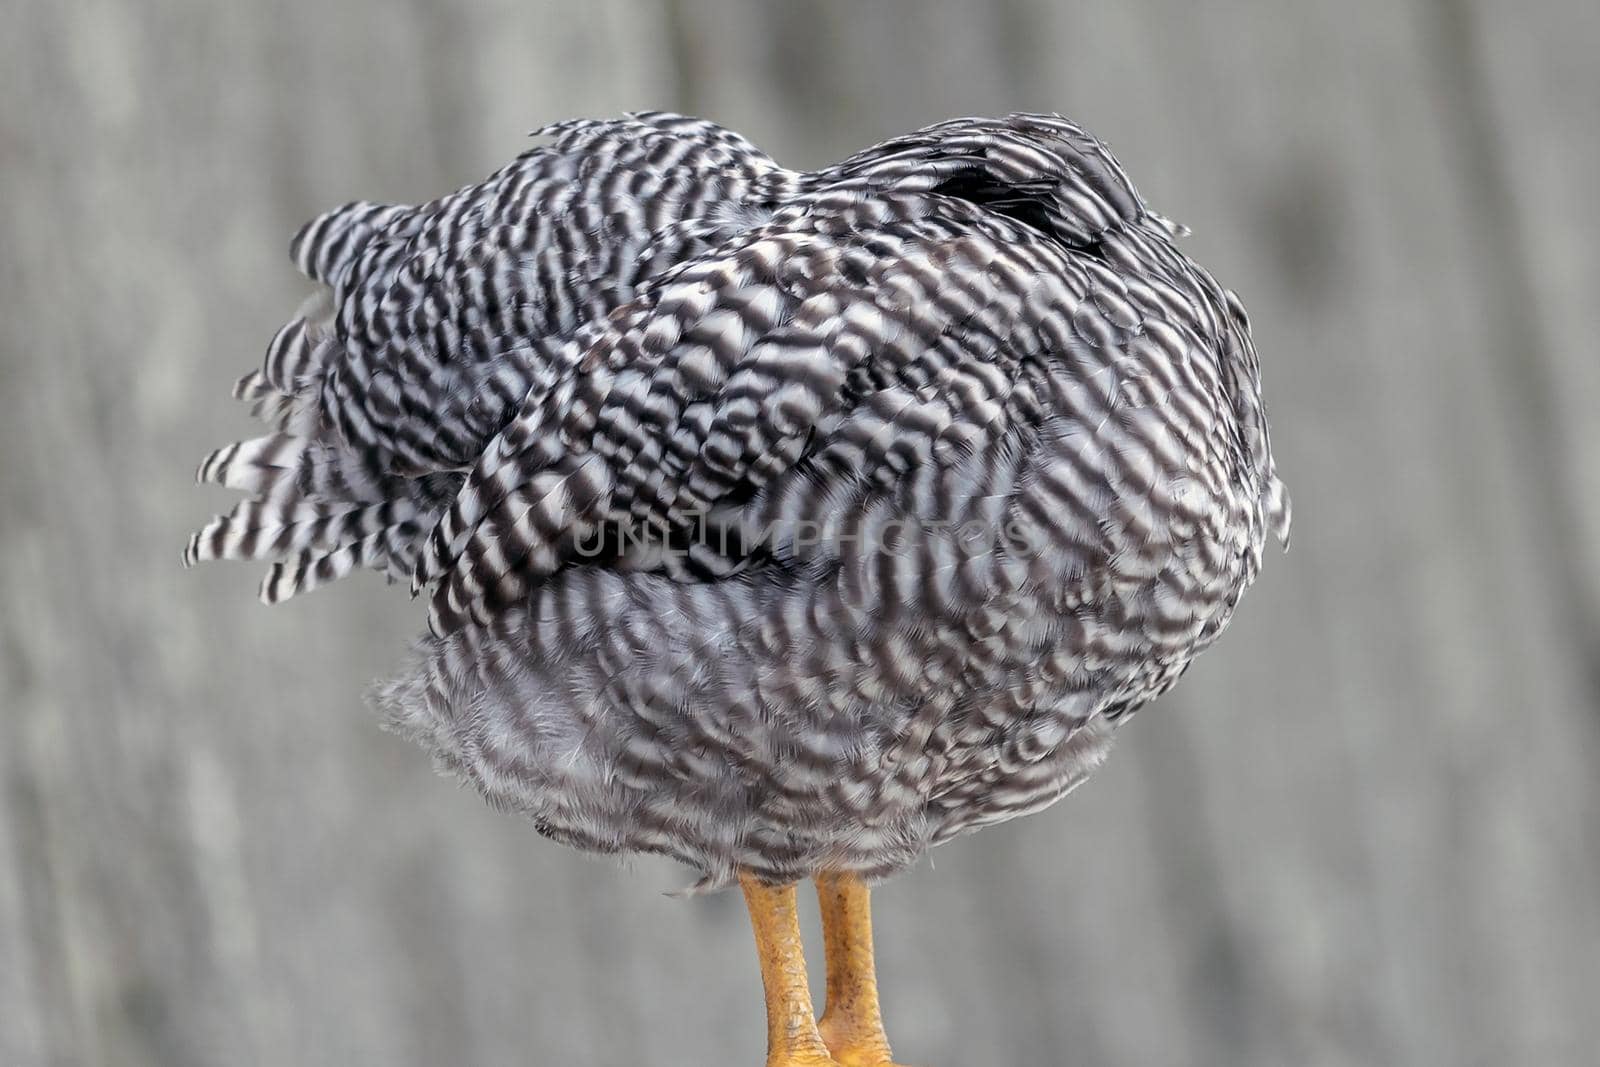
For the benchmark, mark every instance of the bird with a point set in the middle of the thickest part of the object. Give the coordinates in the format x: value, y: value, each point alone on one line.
x: 785, y: 523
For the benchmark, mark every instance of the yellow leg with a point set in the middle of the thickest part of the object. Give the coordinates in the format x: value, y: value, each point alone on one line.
x: 792, y: 1036
x: 852, y: 1024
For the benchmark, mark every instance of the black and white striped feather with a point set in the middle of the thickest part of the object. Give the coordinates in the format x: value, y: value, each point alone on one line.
x: 771, y: 520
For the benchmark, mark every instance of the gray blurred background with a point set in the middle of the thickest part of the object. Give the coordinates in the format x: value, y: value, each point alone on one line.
x: 1365, y: 830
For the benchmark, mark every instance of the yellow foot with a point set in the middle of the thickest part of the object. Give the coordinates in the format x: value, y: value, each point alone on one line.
x: 800, y: 1059
x: 849, y: 1047
x: 853, y: 1059
x: 862, y: 1059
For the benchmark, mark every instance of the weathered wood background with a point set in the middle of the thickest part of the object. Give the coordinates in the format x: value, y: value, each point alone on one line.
x: 1366, y: 830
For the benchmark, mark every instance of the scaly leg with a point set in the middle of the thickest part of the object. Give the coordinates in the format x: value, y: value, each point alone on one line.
x: 852, y: 1025
x: 792, y: 1036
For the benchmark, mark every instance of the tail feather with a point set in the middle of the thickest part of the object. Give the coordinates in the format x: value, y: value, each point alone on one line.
x: 319, y: 503
x: 287, y: 466
x: 385, y: 550
x: 326, y: 246
x: 261, y: 529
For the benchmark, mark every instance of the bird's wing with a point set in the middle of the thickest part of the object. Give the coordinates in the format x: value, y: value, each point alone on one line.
x: 433, y: 322
x: 860, y: 335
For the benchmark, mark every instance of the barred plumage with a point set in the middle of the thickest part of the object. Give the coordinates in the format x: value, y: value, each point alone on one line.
x: 775, y: 521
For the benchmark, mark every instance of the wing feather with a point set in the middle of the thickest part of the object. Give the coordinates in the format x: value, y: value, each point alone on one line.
x: 831, y: 364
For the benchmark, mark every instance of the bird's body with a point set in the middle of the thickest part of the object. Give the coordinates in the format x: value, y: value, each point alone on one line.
x: 786, y: 523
